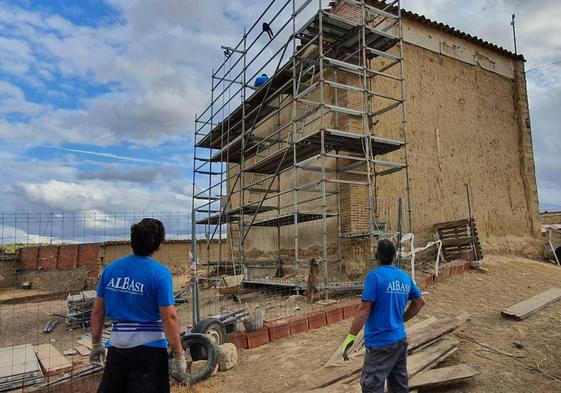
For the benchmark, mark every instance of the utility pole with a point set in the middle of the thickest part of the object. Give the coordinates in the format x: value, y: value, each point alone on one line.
x: 512, y: 23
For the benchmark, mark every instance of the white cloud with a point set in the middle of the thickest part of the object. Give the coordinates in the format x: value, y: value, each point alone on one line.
x: 156, y: 62
x: 12, y: 100
x: 538, y: 30
x: 102, y: 196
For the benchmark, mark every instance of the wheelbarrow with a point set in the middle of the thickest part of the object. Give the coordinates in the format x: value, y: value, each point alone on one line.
x: 230, y: 285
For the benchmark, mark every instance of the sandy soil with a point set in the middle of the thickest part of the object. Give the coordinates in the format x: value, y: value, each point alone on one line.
x: 509, y: 280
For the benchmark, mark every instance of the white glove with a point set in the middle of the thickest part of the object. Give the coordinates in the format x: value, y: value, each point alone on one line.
x: 178, y: 368
x: 98, y: 355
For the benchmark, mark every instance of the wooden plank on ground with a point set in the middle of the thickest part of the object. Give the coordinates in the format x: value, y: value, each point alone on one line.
x: 359, y: 342
x: 341, y: 370
x: 435, y: 330
x: 52, y: 361
x: 416, y: 328
x: 416, y: 363
x: 441, y: 376
x: 529, y: 306
x: 431, y: 356
x: 357, y: 346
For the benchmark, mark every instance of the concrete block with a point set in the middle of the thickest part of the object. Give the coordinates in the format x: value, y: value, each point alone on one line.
x: 257, y: 338
x: 316, y: 319
x: 278, y: 329
x: 239, y: 339
x: 227, y: 356
x: 298, y: 324
x: 334, y: 314
x: 296, y: 298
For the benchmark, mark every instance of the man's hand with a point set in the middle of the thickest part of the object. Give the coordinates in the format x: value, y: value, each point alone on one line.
x: 347, y: 344
x: 98, y: 355
x: 178, y: 368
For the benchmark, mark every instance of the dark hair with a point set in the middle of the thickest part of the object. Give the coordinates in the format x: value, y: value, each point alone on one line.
x: 385, y: 252
x: 146, y: 236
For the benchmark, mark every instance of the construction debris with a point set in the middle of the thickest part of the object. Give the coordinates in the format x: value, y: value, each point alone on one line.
x: 529, y: 306
x: 80, y: 306
x: 19, y: 367
x: 459, y: 238
x: 51, y: 325
x: 52, y: 361
x: 427, y: 348
x: 227, y: 356
x: 441, y: 376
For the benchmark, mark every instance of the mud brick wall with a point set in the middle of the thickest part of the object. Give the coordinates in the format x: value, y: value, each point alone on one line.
x: 60, y: 257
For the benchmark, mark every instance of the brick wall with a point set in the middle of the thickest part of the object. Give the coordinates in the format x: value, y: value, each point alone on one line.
x: 60, y: 257
x: 354, y: 210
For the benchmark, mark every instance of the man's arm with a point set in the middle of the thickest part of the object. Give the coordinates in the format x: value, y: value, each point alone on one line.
x: 413, y: 309
x: 171, y: 328
x: 98, y: 320
x: 360, y: 317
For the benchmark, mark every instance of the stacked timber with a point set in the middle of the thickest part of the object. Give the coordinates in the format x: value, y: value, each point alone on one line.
x: 459, y: 238
x: 429, y: 345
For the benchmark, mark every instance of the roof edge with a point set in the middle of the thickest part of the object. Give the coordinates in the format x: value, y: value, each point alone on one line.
x: 446, y: 28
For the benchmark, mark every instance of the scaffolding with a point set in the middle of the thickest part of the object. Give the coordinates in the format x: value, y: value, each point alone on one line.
x: 284, y: 155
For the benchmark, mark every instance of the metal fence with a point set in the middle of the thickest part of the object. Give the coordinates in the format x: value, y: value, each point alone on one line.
x: 50, y: 264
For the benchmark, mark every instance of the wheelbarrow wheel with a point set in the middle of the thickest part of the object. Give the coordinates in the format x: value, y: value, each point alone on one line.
x: 214, y: 330
x: 194, y: 342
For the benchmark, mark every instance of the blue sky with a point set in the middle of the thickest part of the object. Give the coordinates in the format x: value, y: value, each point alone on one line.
x: 97, y: 98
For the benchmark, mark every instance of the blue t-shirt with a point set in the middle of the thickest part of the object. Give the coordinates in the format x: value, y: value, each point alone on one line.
x: 133, y: 289
x: 389, y: 289
x: 261, y: 80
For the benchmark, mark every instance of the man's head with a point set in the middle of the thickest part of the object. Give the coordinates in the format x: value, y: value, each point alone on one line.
x: 385, y: 252
x: 146, y: 236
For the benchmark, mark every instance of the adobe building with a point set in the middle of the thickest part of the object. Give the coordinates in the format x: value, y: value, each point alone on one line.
x: 321, y: 154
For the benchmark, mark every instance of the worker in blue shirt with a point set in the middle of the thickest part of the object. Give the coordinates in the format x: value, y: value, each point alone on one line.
x: 261, y: 80
x: 136, y: 294
x: 383, y: 310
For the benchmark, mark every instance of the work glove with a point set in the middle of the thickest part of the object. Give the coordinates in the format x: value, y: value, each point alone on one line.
x: 347, y: 344
x: 178, y: 368
x: 98, y: 355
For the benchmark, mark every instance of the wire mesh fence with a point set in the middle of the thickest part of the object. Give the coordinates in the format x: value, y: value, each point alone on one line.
x: 50, y: 264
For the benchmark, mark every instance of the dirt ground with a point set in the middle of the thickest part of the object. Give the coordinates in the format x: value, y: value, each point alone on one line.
x: 270, y: 368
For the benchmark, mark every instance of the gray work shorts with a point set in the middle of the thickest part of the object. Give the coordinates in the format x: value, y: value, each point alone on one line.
x: 387, y: 362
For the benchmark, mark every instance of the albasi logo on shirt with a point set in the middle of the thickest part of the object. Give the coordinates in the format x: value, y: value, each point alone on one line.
x: 125, y: 284
x: 398, y: 286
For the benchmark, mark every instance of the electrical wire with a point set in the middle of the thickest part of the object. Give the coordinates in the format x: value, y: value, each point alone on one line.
x: 517, y: 358
x: 543, y: 65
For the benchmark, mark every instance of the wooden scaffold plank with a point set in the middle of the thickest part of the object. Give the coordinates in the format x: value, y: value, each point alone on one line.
x: 529, y: 306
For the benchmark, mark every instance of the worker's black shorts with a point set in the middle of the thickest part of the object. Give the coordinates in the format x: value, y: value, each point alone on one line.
x: 135, y: 370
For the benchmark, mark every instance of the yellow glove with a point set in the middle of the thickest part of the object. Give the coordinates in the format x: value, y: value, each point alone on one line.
x: 347, y: 344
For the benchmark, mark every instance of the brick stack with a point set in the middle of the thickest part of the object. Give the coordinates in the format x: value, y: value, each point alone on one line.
x: 282, y: 327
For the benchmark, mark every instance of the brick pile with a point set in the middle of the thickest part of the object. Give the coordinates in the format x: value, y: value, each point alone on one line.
x: 282, y: 327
